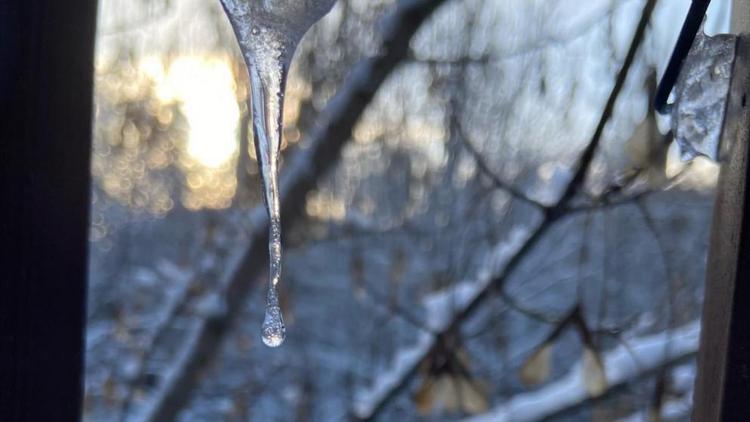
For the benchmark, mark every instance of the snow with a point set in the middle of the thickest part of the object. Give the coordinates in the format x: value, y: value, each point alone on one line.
x: 672, y: 409
x: 621, y: 364
x: 212, y: 305
x: 682, y: 381
x: 172, y: 373
x: 404, y: 362
x: 441, y: 306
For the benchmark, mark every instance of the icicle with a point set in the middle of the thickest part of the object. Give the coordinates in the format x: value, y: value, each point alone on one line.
x: 268, y: 32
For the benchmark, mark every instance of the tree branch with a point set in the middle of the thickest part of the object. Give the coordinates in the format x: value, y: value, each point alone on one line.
x: 584, y: 163
x: 645, y: 356
x: 496, y: 180
x: 367, y: 408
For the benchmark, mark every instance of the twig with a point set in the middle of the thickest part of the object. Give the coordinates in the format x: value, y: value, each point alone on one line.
x: 569, y: 393
x: 172, y: 308
x: 610, y: 199
x: 547, y: 41
x: 584, y: 163
x: 552, y: 214
x: 530, y: 313
x: 496, y: 180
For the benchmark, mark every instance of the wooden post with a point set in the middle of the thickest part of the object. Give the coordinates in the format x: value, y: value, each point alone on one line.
x: 46, y: 68
x: 722, y: 391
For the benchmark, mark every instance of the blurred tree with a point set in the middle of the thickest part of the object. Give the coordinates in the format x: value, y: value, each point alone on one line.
x: 459, y: 176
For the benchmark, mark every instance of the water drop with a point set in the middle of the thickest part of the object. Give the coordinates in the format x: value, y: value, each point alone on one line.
x: 268, y: 32
x: 273, y: 330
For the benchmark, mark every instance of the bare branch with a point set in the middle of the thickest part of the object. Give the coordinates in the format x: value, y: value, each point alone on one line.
x: 496, y: 180
x: 584, y: 163
x: 171, y: 309
x: 646, y: 355
x: 612, y: 196
x: 545, y: 42
x: 406, y: 370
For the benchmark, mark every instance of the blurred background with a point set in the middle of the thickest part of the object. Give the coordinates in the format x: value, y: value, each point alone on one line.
x: 451, y: 256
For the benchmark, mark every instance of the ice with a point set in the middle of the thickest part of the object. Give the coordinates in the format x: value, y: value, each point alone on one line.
x: 268, y: 32
x: 701, y: 94
x: 273, y: 329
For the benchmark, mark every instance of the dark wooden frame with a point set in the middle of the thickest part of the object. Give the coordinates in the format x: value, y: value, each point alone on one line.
x: 722, y: 390
x: 46, y: 81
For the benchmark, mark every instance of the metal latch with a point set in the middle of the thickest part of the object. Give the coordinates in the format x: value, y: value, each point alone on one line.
x: 699, y: 74
x: 701, y: 97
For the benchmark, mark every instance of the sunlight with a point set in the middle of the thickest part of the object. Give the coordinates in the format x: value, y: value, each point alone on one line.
x: 205, y: 89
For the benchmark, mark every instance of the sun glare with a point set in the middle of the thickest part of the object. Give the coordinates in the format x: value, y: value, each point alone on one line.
x: 205, y: 89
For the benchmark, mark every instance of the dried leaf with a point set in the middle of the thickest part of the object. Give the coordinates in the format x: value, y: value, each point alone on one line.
x: 538, y: 366
x: 462, y: 357
x: 446, y: 393
x: 449, y: 393
x: 473, y: 397
x: 424, y: 399
x: 654, y: 415
x: 594, y: 376
x: 110, y: 391
x: 447, y: 385
x: 647, y: 149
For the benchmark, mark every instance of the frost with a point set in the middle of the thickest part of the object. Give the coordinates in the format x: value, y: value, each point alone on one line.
x: 701, y: 95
